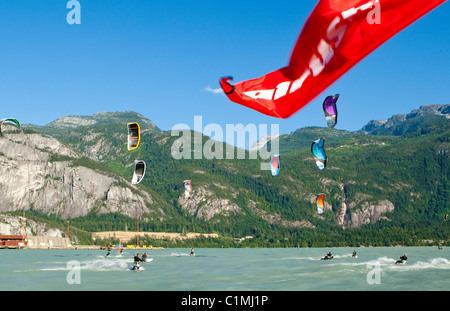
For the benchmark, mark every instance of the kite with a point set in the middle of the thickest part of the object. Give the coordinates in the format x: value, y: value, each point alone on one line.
x: 317, y: 149
x: 187, y: 188
x: 320, y: 203
x: 330, y: 110
x: 275, y: 164
x: 335, y: 37
x: 134, y: 135
x: 139, y: 172
x: 9, y: 120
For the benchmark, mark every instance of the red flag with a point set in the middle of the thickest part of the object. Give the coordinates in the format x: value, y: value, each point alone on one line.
x: 336, y: 36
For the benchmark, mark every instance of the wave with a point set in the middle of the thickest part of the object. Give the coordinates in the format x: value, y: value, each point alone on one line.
x: 434, y: 263
x: 96, y: 264
x: 101, y: 264
x: 385, y: 260
x: 178, y: 254
x: 389, y: 264
x: 316, y: 258
x: 298, y: 258
x: 343, y: 256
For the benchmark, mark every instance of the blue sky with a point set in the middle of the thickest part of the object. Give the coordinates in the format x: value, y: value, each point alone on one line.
x: 164, y: 58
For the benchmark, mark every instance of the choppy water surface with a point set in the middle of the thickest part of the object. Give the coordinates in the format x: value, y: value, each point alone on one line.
x: 427, y: 268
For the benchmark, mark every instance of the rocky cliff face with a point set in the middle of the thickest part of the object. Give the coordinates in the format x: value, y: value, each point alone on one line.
x: 13, y: 225
x: 370, y: 213
x: 30, y: 177
x: 361, y: 210
x: 205, y: 204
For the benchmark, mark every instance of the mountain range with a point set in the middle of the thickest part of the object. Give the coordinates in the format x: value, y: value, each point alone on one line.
x: 385, y: 184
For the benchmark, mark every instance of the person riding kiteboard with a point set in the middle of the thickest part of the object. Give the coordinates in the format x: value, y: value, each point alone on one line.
x: 137, y: 259
x: 403, y: 259
x: 327, y: 256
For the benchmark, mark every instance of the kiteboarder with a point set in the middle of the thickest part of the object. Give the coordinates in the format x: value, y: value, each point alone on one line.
x: 327, y: 256
x: 354, y: 253
x: 137, y: 259
x: 192, y: 252
x: 402, y: 259
x: 109, y: 251
x: 144, y: 257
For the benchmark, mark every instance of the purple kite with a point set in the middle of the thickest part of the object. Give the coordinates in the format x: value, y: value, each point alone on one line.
x: 330, y: 110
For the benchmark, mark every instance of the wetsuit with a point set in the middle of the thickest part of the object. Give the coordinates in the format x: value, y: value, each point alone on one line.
x: 136, y: 262
x: 402, y: 259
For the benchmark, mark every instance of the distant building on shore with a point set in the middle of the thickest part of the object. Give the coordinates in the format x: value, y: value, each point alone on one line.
x: 12, y: 241
x: 20, y: 241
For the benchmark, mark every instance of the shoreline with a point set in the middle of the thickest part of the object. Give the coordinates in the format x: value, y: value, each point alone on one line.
x: 102, y: 240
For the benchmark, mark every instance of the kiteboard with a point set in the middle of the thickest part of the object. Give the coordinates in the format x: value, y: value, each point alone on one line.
x: 147, y: 260
x: 137, y: 268
x: 400, y: 262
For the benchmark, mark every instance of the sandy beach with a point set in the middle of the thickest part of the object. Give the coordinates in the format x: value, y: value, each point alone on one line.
x: 126, y: 235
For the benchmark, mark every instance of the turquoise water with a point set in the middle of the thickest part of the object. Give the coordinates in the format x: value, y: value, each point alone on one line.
x: 427, y: 269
